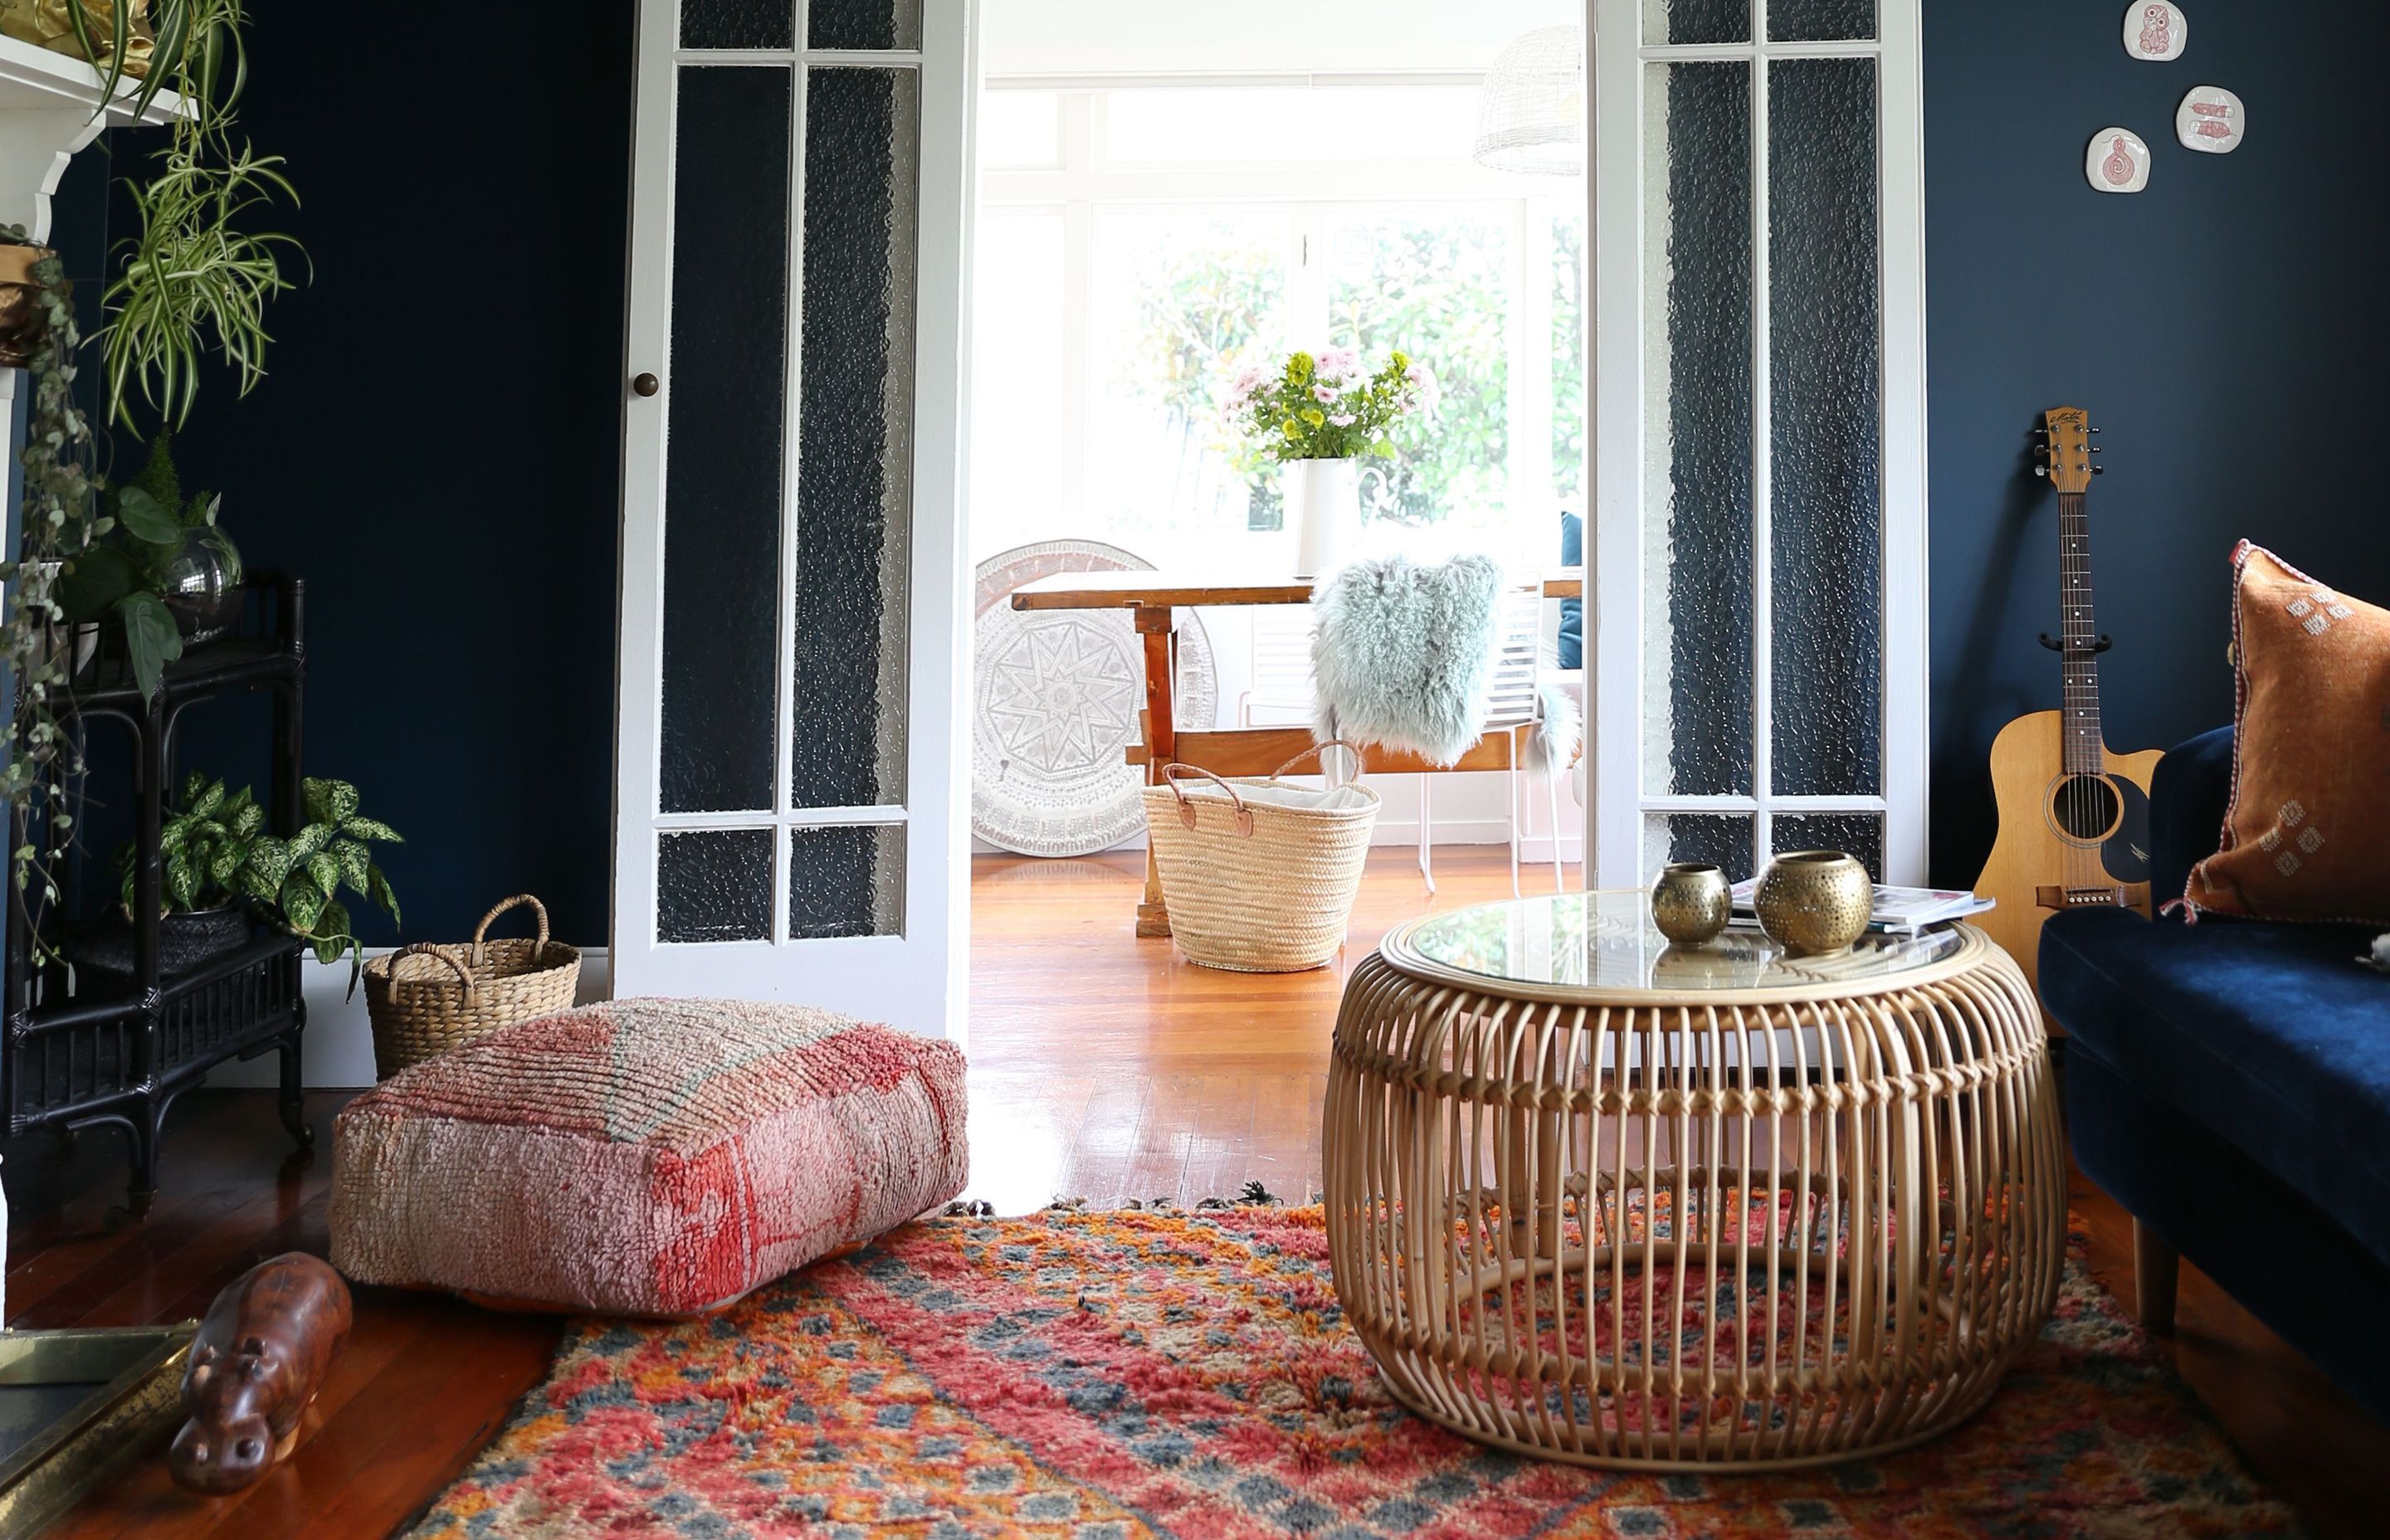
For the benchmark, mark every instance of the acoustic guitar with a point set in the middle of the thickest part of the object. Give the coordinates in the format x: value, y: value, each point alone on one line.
x: 2075, y: 818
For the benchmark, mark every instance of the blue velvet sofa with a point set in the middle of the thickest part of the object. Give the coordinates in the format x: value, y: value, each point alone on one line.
x: 2228, y: 1083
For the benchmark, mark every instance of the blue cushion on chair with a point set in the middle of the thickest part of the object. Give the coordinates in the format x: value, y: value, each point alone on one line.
x: 2270, y: 1035
x: 1571, y: 648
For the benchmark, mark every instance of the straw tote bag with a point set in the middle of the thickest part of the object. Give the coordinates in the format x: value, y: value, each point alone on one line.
x: 1258, y: 874
x: 428, y: 998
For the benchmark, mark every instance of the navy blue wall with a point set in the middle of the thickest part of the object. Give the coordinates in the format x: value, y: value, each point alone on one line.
x: 2226, y: 328
x: 436, y: 449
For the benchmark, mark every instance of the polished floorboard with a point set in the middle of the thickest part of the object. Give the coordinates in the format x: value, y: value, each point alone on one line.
x: 1102, y: 1068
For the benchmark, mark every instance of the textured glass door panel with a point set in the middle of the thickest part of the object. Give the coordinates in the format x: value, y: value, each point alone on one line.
x: 714, y: 885
x: 1698, y: 605
x: 1861, y: 834
x: 863, y: 24
x: 1819, y: 20
x: 738, y: 23
x: 1825, y: 368
x: 724, y: 440
x: 1696, y: 20
x: 1722, y: 840
x: 846, y: 881
x: 854, y: 454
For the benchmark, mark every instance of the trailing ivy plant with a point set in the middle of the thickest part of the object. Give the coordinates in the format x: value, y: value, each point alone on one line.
x: 194, y: 280
x: 59, y: 523
x: 214, y: 851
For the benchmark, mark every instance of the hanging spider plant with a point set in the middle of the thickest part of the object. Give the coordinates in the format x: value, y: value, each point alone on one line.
x: 194, y: 280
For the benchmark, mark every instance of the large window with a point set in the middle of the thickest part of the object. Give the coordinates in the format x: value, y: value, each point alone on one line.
x: 1140, y: 245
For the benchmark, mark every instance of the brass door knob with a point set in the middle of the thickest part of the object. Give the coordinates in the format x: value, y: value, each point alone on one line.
x: 645, y: 384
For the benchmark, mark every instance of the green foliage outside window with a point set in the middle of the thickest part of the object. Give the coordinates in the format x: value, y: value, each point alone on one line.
x: 1438, y: 289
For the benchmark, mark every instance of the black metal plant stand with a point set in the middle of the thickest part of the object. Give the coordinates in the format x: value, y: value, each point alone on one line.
x: 87, y: 1049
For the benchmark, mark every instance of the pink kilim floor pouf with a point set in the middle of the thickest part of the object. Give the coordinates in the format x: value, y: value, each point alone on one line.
x: 643, y: 1157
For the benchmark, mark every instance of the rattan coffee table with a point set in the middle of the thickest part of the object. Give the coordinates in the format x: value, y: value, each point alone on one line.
x: 1595, y: 1198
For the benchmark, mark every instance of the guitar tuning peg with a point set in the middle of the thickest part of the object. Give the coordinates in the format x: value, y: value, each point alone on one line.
x: 2095, y: 449
x: 2041, y: 470
x: 2099, y: 470
x: 2095, y: 431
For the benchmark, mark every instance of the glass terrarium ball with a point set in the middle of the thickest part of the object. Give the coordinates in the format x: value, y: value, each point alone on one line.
x: 202, y: 586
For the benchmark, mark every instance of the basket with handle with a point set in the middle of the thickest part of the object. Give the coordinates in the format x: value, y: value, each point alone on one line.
x: 1255, y: 880
x: 428, y: 998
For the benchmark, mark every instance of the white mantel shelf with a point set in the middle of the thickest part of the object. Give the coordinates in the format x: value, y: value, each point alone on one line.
x: 49, y: 109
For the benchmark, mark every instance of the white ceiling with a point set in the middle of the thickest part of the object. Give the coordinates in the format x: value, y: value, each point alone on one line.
x: 1042, y: 37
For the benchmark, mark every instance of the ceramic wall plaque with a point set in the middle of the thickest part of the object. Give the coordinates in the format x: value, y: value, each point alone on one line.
x: 2155, y: 31
x: 2118, y: 161
x: 2211, y: 119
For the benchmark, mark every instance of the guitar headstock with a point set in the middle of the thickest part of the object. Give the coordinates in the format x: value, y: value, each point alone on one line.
x: 2066, y: 449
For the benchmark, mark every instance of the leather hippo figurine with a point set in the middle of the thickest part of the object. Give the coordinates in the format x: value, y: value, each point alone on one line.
x: 261, y: 1355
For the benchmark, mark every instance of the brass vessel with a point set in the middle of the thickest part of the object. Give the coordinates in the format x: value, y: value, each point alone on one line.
x: 1814, y: 902
x: 1690, y: 903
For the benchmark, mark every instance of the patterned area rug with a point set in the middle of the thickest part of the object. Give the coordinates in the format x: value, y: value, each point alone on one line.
x: 1111, y: 1376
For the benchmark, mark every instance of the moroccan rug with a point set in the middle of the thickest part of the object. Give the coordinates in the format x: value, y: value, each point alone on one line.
x: 1113, y: 1376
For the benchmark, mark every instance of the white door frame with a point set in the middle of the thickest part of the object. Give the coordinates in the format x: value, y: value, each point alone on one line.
x: 917, y: 980
x: 1617, y: 629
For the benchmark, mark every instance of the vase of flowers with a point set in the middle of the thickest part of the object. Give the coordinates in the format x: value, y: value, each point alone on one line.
x: 1319, y: 415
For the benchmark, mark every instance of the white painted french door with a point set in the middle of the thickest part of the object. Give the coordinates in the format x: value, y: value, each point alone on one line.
x: 788, y: 802
x: 1758, y: 645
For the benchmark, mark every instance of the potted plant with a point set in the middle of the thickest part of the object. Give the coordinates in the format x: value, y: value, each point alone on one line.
x: 1321, y: 414
x: 219, y: 868
x: 164, y: 576
x: 194, y: 280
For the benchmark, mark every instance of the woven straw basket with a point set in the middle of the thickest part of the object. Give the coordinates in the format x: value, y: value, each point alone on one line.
x: 428, y: 998
x: 1251, y: 885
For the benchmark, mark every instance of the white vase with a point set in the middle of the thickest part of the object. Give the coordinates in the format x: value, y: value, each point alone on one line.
x: 1323, y: 497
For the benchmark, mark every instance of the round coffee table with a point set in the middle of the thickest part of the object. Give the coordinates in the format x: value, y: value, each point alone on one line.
x: 1596, y: 1198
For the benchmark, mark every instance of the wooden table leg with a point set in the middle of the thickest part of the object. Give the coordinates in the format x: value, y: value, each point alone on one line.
x: 1154, y: 625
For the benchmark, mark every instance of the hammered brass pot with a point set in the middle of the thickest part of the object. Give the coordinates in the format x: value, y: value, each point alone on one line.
x: 1690, y: 903
x: 1814, y: 902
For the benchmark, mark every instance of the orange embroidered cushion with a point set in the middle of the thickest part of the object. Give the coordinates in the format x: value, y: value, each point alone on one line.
x: 2308, y: 836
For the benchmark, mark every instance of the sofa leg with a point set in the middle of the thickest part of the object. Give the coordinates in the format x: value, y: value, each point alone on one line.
x: 2155, y: 1265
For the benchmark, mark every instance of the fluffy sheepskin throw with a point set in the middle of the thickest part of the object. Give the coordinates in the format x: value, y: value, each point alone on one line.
x: 1403, y: 655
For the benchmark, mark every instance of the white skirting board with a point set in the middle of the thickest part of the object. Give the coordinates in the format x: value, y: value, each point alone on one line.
x: 339, y: 1055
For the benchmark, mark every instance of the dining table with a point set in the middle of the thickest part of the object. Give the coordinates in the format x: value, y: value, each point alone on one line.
x: 1154, y: 601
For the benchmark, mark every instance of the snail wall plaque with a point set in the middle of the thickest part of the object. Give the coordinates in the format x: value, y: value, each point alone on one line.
x: 2118, y: 161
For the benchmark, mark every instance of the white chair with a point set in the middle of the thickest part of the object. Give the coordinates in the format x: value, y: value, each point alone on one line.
x: 1281, y: 672
x: 1514, y: 709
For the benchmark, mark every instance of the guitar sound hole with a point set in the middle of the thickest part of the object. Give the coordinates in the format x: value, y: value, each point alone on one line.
x: 2084, y: 807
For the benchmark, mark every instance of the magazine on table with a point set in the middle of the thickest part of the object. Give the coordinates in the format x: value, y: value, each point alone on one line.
x: 1898, y: 911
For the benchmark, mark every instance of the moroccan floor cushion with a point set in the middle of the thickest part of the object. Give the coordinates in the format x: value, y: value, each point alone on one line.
x: 643, y: 1157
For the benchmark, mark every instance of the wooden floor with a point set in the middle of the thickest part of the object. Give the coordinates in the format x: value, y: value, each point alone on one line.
x: 1102, y: 1067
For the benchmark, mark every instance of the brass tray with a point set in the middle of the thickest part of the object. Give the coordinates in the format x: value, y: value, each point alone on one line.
x: 77, y: 1405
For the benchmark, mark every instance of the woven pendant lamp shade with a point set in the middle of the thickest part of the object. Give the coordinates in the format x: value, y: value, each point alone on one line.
x: 1531, y: 115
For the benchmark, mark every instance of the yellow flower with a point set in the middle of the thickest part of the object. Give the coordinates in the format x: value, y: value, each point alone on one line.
x: 1289, y: 429
x: 1299, y: 367
x: 1399, y: 359
x: 1314, y: 416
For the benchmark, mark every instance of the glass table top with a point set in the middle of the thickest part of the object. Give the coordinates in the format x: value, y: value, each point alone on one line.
x: 1606, y: 942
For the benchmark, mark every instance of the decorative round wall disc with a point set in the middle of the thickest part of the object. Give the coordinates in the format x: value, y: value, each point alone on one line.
x: 1054, y: 698
x: 2155, y: 31
x: 2118, y: 161
x: 2211, y: 119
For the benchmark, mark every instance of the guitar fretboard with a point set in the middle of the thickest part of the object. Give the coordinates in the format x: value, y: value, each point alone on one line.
x: 2080, y: 665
